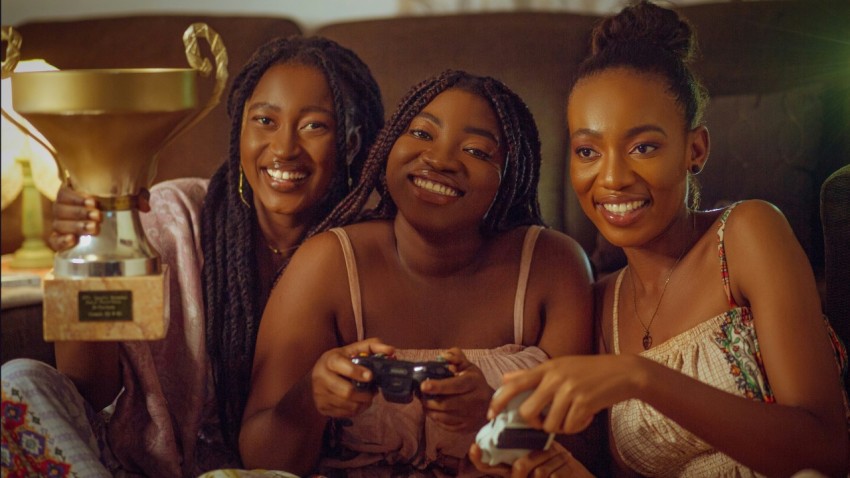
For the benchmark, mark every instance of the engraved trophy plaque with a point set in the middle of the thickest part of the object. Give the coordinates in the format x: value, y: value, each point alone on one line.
x: 105, y: 128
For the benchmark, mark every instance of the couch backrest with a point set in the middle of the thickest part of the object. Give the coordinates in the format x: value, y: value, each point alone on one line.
x: 157, y: 41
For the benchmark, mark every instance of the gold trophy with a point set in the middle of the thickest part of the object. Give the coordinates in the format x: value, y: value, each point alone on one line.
x: 105, y: 128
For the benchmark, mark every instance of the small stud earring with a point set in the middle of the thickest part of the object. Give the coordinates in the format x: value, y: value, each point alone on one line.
x: 695, y: 169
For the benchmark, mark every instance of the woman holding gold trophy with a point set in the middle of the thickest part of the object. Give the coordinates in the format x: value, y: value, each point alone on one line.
x: 303, y: 112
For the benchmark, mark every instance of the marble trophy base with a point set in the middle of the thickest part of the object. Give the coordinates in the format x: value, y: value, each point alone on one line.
x: 106, y: 308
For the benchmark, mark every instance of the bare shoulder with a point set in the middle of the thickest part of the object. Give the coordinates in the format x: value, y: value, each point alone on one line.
x: 556, y: 248
x: 763, y: 253
x: 756, y: 218
x: 317, y: 265
x: 560, y: 288
x: 368, y: 231
x: 370, y: 240
x: 757, y: 230
x: 557, y: 255
x: 321, y: 243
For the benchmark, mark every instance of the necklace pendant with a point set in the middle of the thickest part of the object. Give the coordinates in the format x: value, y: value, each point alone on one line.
x: 647, y: 341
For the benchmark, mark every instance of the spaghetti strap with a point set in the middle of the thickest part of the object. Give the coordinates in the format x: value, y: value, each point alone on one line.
x: 528, y: 244
x: 353, y: 279
x: 616, y: 320
x: 721, y: 253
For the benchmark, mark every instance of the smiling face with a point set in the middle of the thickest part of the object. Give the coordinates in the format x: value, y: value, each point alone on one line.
x: 630, y: 153
x: 288, y: 141
x: 444, y: 170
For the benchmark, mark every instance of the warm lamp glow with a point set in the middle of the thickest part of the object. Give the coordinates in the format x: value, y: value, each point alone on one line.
x: 27, y: 168
x: 16, y: 143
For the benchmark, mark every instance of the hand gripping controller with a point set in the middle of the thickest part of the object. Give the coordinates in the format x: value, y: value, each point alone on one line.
x: 398, y: 379
x: 507, y: 437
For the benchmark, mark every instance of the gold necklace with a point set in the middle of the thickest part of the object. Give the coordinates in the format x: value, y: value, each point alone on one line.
x: 281, y: 252
x: 647, y: 337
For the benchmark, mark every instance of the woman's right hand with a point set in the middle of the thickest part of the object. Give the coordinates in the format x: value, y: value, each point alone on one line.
x: 333, y: 379
x: 570, y: 390
x: 74, y: 215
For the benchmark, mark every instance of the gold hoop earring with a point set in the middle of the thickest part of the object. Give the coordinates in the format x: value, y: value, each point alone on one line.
x: 241, y: 180
x: 348, y: 179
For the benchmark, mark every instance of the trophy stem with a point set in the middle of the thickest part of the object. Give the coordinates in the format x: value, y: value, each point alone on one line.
x: 120, y: 249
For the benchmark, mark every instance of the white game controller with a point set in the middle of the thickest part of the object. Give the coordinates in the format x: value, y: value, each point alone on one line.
x: 507, y: 437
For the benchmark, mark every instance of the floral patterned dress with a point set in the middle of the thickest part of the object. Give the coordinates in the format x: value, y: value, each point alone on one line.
x: 723, y: 352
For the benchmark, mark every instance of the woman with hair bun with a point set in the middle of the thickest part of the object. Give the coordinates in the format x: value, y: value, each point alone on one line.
x: 716, y: 358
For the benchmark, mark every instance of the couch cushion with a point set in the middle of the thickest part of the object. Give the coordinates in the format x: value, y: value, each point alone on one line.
x: 767, y: 148
x: 835, y: 213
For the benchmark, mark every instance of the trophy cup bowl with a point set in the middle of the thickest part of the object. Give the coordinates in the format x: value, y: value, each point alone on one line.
x: 105, y: 128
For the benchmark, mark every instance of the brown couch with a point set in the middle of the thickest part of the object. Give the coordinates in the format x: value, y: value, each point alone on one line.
x: 778, y: 72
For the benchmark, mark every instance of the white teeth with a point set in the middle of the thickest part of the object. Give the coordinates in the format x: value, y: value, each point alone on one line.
x: 623, y: 207
x: 286, y: 175
x: 436, y: 188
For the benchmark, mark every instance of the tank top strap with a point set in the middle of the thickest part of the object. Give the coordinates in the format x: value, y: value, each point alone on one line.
x: 528, y: 244
x: 353, y: 279
x: 616, y: 307
x: 721, y: 253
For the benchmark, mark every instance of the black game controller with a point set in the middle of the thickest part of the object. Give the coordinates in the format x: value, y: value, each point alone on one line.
x: 398, y: 379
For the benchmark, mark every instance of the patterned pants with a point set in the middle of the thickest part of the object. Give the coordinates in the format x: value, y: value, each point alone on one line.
x: 48, y: 429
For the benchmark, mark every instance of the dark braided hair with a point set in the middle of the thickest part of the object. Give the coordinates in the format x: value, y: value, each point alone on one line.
x: 652, y: 40
x: 233, y: 306
x: 516, y: 201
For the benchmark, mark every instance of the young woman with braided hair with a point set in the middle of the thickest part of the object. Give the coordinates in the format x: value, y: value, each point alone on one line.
x: 716, y: 359
x: 303, y: 112
x: 453, y: 262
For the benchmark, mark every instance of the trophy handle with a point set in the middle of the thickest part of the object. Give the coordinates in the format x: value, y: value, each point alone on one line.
x: 13, y: 50
x: 13, y: 55
x: 203, y: 66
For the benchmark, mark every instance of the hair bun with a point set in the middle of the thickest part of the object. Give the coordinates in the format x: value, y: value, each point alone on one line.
x: 648, y: 24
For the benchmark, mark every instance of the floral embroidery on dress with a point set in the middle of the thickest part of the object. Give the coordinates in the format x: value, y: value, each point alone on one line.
x: 737, y: 339
x: 838, y: 348
x: 841, y: 361
x: 721, y: 253
x: 737, y: 336
x: 24, y: 444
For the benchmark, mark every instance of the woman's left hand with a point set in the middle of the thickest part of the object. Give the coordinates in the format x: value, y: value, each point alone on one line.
x: 557, y: 461
x: 458, y: 404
